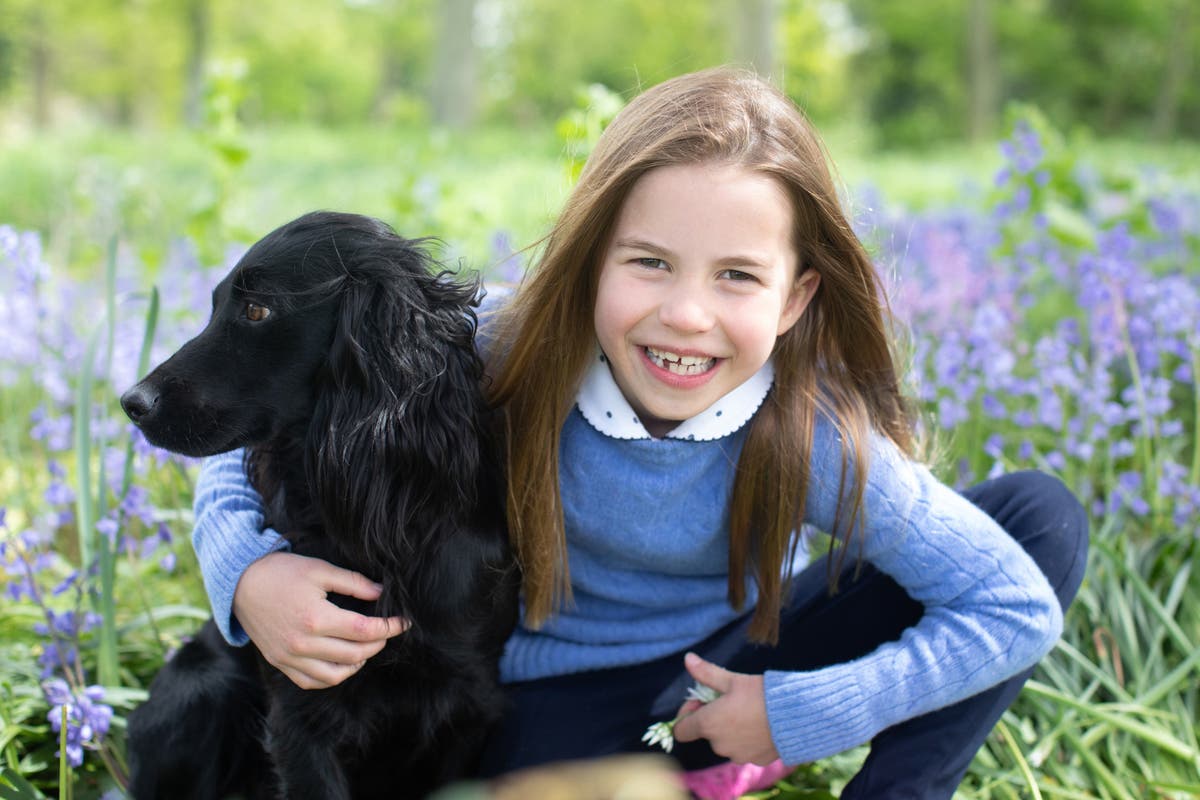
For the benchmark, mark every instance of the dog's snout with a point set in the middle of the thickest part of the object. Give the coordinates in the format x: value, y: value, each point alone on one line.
x: 139, y: 402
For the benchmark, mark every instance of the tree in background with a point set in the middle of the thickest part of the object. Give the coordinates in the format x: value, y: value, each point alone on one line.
x: 818, y: 40
x: 920, y: 71
x: 198, y: 15
x: 983, y: 81
x: 556, y: 47
x: 755, y: 24
x: 1181, y: 55
x: 453, y: 96
x: 940, y: 69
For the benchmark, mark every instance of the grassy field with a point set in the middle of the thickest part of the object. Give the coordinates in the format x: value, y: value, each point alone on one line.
x: 1051, y: 293
x: 77, y: 187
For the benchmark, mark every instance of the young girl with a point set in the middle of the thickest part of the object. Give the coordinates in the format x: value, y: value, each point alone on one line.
x: 698, y: 368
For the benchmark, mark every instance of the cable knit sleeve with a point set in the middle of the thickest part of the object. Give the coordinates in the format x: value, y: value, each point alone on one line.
x: 989, y: 611
x: 228, y: 535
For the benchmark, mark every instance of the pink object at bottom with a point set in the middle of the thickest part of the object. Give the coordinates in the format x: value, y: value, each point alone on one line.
x: 730, y: 781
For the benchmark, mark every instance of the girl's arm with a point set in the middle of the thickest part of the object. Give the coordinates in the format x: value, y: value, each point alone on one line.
x: 274, y: 598
x: 989, y: 611
x: 228, y: 535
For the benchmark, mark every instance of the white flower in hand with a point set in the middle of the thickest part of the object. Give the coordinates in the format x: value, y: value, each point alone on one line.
x: 663, y: 733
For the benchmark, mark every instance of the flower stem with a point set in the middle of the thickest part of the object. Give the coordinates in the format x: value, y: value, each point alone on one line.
x: 64, y: 771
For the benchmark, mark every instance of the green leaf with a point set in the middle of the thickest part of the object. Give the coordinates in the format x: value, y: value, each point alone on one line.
x: 14, y: 787
x: 1070, y: 227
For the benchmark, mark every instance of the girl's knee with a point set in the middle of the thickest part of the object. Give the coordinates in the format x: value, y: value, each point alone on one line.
x: 1052, y: 525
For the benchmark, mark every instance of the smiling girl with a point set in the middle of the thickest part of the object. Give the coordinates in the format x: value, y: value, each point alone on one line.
x: 697, y: 372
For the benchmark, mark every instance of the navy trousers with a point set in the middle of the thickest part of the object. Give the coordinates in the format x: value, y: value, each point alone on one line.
x: 606, y: 711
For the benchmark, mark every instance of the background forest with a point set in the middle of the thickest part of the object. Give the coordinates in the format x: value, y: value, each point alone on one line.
x: 1025, y: 173
x: 919, y: 72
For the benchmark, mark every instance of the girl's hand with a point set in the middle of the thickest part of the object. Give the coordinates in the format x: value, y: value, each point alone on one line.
x: 735, y: 724
x: 281, y: 603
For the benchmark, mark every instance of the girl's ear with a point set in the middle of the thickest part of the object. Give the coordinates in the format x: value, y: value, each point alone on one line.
x: 802, y: 293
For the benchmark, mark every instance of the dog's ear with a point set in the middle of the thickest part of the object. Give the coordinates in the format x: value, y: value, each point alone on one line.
x: 401, y: 399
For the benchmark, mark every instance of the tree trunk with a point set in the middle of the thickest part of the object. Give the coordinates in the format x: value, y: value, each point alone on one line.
x: 196, y: 19
x: 453, y: 89
x: 754, y: 46
x: 1178, y: 69
x: 982, y: 77
x: 40, y: 59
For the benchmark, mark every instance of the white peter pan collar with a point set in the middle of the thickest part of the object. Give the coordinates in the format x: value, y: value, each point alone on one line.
x: 606, y: 409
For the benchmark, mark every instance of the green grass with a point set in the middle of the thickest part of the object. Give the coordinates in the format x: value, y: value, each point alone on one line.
x: 152, y: 186
x: 76, y: 187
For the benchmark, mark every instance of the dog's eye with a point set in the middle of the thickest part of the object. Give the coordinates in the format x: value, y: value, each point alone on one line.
x: 257, y: 313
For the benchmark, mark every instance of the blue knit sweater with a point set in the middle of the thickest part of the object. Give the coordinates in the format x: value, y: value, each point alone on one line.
x: 647, y: 530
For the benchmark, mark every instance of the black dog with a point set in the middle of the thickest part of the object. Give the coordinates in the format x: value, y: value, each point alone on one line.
x: 348, y: 369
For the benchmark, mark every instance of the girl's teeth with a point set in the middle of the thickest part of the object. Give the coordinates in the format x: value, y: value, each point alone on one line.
x: 680, y: 365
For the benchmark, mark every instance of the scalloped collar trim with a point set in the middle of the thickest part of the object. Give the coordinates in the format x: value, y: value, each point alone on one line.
x: 606, y: 409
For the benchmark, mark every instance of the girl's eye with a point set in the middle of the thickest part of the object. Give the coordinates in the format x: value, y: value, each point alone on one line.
x: 652, y: 263
x: 257, y: 313
x: 737, y: 275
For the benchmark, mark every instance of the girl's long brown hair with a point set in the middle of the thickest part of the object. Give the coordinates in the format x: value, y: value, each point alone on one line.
x: 836, y: 360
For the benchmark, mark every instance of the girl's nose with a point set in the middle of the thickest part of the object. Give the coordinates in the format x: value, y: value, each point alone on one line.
x: 686, y: 311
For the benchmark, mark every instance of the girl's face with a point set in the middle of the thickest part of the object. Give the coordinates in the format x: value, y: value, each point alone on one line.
x: 699, y: 279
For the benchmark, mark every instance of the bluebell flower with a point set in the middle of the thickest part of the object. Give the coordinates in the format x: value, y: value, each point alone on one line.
x: 108, y: 527
x: 87, y: 717
x: 994, y: 446
x: 57, y: 657
x: 1121, y: 448
x: 508, y: 266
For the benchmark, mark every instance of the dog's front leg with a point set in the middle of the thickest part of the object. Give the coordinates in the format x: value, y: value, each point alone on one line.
x: 199, y: 735
x: 303, y: 743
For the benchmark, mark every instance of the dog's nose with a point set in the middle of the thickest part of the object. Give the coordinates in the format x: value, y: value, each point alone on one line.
x: 139, y: 402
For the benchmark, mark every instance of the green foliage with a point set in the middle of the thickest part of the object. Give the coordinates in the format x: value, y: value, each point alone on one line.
x: 579, y: 129
x: 1123, y: 66
x: 815, y: 61
x: 1108, y: 65
x: 1116, y: 705
x: 208, y: 224
x: 910, y: 70
x: 622, y: 44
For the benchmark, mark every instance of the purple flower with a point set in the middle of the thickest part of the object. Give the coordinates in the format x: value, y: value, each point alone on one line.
x: 57, y: 657
x: 508, y: 266
x: 1023, y: 151
x: 108, y: 528
x: 87, y: 718
x: 54, y: 432
x: 136, y: 505
x: 994, y: 446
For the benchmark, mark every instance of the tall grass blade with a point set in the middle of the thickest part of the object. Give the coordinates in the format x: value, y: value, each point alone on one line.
x: 14, y: 787
x: 1161, y: 740
x: 84, y: 510
x: 108, y: 666
x: 143, y: 365
x: 64, y: 771
x: 1102, y: 773
x: 1023, y: 765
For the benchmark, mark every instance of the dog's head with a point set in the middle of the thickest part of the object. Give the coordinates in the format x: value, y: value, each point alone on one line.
x: 297, y: 316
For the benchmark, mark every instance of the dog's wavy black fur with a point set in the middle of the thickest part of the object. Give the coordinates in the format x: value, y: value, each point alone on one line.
x: 358, y: 397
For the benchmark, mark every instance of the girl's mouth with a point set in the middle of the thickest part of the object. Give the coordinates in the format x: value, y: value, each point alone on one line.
x: 678, y: 364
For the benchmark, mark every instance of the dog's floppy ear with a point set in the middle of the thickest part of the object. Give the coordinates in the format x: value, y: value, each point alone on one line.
x: 401, y: 399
